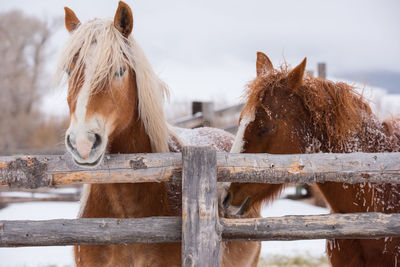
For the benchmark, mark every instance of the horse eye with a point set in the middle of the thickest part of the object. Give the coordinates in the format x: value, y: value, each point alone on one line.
x: 68, y: 71
x: 120, y: 72
x: 266, y: 130
x: 263, y: 131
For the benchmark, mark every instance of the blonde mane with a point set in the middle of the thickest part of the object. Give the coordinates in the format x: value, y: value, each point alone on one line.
x: 99, y: 38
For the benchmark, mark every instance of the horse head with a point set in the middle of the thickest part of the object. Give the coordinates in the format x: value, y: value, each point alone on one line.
x: 107, y: 74
x: 271, y: 122
x: 273, y: 112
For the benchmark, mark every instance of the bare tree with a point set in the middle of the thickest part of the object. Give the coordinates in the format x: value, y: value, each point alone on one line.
x: 23, y: 52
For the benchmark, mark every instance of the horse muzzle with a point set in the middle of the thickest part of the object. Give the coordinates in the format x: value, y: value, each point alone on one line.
x: 86, y: 149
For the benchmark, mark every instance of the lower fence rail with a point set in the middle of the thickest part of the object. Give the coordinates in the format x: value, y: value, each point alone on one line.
x: 63, y: 232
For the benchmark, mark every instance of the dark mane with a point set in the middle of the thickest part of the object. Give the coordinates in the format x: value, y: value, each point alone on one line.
x: 335, y: 108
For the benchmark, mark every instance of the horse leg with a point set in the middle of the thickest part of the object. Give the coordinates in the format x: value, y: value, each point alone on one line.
x: 92, y: 255
x: 345, y: 253
x: 158, y: 255
x: 240, y: 254
x: 106, y: 255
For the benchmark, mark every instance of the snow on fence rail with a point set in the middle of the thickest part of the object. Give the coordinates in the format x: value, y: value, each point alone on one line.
x: 199, y: 168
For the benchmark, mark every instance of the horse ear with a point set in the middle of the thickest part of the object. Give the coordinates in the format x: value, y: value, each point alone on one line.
x: 71, y: 20
x: 263, y: 64
x: 295, y: 76
x: 123, y: 19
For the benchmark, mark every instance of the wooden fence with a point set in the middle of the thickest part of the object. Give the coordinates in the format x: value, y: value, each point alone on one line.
x: 199, y: 168
x: 203, y: 114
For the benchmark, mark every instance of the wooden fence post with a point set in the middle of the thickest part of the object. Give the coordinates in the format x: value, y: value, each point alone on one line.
x: 208, y: 114
x: 207, y: 109
x: 322, y: 70
x: 196, y: 107
x: 201, y: 232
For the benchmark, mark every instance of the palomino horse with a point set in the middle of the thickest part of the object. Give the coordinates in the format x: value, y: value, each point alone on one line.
x: 115, y: 102
x: 289, y: 112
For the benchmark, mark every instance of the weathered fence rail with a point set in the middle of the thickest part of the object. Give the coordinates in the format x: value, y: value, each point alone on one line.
x: 199, y: 168
x: 45, y: 171
x: 4, y: 199
x: 169, y: 229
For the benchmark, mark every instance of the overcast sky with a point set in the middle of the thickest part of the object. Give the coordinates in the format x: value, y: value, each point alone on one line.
x: 206, y: 49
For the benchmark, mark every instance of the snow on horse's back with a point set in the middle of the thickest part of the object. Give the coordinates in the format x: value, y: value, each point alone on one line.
x: 218, y: 139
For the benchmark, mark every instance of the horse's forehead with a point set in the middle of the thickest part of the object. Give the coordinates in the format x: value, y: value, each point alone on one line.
x: 80, y: 91
x: 90, y: 58
x: 248, y: 109
x: 247, y: 116
x: 88, y: 64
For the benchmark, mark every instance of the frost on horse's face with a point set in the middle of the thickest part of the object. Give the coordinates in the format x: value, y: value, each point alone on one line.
x: 102, y: 85
x: 273, y: 117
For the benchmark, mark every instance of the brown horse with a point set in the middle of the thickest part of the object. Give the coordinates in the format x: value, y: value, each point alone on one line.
x: 290, y: 112
x: 115, y: 102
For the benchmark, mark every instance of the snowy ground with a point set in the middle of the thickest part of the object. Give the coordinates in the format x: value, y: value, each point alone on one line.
x: 38, y: 256
x: 62, y: 256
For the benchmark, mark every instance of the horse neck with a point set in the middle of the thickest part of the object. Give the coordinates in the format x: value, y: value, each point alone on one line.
x: 363, y: 197
x: 144, y: 199
x: 128, y: 200
x: 133, y: 139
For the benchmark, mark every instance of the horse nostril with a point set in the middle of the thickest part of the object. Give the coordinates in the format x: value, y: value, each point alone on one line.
x: 69, y: 142
x: 97, y: 141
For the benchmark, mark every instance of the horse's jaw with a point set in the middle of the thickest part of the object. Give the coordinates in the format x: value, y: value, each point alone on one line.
x: 90, y: 165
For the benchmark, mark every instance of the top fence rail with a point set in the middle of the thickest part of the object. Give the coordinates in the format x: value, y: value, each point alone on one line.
x: 49, y: 171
